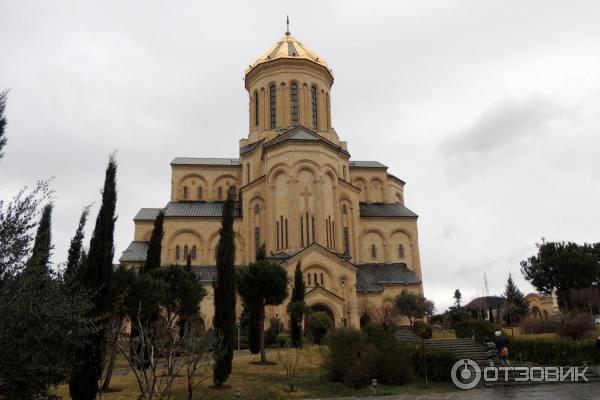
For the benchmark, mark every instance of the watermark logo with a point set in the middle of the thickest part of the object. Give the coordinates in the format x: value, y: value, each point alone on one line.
x: 466, y: 374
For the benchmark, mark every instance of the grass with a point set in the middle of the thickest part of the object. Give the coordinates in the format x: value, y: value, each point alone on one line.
x: 268, y: 382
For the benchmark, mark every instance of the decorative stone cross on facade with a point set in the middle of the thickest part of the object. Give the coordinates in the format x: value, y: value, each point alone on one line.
x: 305, y: 194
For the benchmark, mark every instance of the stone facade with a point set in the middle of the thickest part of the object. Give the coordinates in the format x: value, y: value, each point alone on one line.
x: 299, y: 194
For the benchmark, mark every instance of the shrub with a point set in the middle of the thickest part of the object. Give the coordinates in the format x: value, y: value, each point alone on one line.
x: 355, y: 360
x: 318, y: 324
x: 275, y: 328
x: 375, y: 333
x: 578, y: 327
x: 345, y: 346
x: 389, y: 361
x: 439, y: 364
x: 422, y: 329
x: 284, y: 340
x: 531, y: 325
x: 554, y: 352
x: 483, y: 329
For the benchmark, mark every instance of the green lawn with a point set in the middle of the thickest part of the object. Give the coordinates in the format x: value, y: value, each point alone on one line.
x: 268, y: 382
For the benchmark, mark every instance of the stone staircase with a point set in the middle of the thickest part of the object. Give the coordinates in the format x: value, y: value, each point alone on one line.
x: 467, y: 348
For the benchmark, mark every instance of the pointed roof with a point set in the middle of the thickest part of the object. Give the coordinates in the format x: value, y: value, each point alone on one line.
x: 288, y: 47
x: 303, y: 134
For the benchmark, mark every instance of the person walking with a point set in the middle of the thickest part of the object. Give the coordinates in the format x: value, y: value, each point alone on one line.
x: 502, y: 346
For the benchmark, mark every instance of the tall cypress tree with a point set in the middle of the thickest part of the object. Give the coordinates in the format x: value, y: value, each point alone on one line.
x: 2, y: 121
x: 152, y: 262
x: 40, y: 254
x: 254, y: 312
x: 76, y: 247
x: 96, y: 275
x: 224, y: 296
x: 297, y: 306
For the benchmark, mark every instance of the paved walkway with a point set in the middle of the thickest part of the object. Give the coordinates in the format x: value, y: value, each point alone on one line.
x: 571, y: 391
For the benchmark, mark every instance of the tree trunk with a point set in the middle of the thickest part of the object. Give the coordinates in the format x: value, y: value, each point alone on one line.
x: 113, y: 355
x: 263, y: 355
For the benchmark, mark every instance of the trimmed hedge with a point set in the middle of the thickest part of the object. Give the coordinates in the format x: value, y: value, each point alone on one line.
x: 439, y: 364
x: 554, y: 352
x: 483, y: 329
x: 355, y: 359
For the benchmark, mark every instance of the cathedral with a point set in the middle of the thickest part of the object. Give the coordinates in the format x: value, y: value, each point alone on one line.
x: 299, y: 194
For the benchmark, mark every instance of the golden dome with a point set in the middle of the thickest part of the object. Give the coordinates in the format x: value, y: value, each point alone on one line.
x: 288, y: 47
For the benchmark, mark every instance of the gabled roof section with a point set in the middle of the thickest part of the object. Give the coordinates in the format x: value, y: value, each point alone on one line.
x: 303, y: 134
x: 373, y: 277
x: 206, y: 161
x: 250, y: 147
x: 198, y: 209
x: 324, y: 250
x: 320, y: 288
x: 136, y: 251
x: 366, y: 164
x: 385, y: 210
x: 147, y: 214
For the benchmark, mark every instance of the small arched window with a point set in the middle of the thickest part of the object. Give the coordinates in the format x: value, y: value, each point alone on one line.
x: 193, y: 252
x: 316, y: 281
x: 200, y: 193
x: 220, y: 193
x: 344, y: 209
x: 177, y: 252
x: 273, y: 106
x: 322, y: 280
x: 257, y: 209
x: 401, y: 251
x: 313, y: 101
x: 308, y: 275
x: 256, y: 109
x: 185, y: 252
x: 185, y: 193
x: 294, y: 105
x: 373, y: 251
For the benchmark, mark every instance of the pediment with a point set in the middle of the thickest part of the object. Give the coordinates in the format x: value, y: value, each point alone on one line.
x: 320, y: 291
x: 323, y: 253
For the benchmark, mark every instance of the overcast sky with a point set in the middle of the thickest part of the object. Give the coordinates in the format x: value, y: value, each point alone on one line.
x: 490, y: 111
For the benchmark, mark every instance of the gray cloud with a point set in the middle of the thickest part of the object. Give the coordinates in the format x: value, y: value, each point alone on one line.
x: 502, y: 124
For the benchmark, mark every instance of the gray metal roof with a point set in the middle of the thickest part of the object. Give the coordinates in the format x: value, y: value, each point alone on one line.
x: 366, y: 164
x: 205, y: 161
x: 249, y: 148
x: 206, y: 273
x: 147, y: 214
x: 384, y: 210
x: 206, y: 209
x: 136, y: 251
x: 372, y: 277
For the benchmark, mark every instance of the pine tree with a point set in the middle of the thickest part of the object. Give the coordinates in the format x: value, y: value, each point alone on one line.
x: 2, y: 121
x: 457, y: 298
x: 515, y: 304
x: 76, y: 247
x: 224, y: 295
x: 96, y: 274
x: 297, y: 306
x: 152, y: 262
x: 40, y: 254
